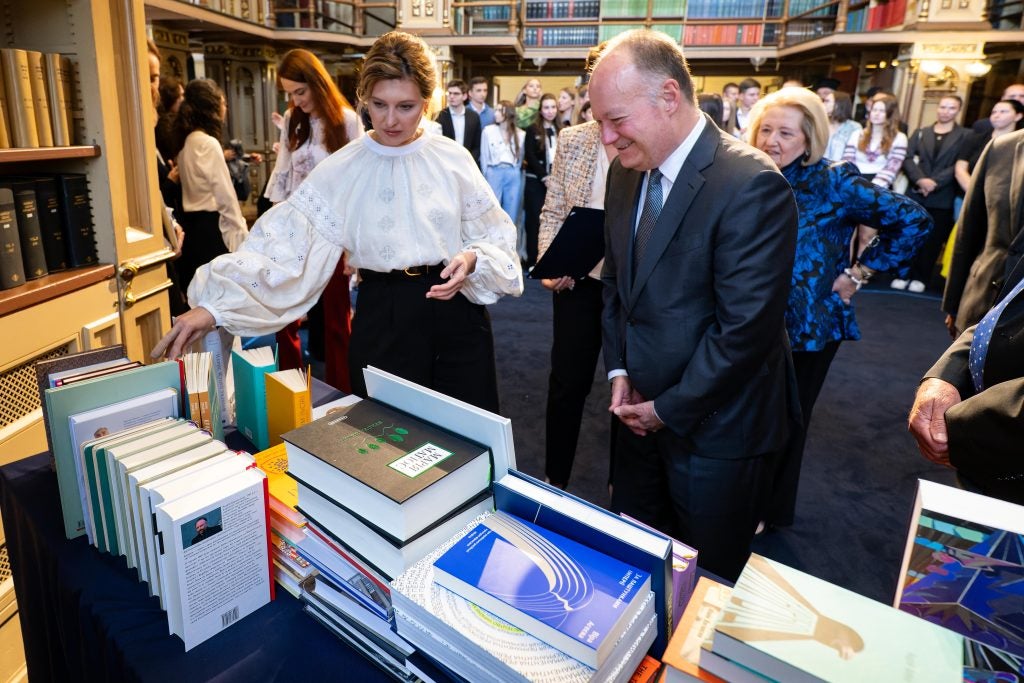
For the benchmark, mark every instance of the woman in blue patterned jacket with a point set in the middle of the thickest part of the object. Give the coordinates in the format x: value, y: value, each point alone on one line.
x: 791, y: 127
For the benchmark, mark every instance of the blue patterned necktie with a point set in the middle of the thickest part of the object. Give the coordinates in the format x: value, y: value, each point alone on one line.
x: 648, y: 216
x: 983, y: 337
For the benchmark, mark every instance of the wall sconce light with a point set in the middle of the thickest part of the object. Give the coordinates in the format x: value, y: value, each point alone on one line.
x: 757, y: 62
x: 930, y: 67
x: 539, y: 62
x: 977, y: 69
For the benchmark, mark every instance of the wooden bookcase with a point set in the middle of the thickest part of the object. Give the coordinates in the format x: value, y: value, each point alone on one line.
x: 85, y: 308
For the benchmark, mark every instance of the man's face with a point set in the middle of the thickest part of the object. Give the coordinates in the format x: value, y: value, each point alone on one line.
x: 154, y: 79
x: 630, y: 121
x: 201, y: 526
x: 749, y: 97
x: 948, y: 110
x: 456, y: 97
x: 478, y: 93
x: 731, y: 93
x: 1014, y: 92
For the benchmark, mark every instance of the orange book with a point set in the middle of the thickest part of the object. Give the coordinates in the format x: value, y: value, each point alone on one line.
x: 696, y: 628
x: 647, y: 672
x: 289, y: 402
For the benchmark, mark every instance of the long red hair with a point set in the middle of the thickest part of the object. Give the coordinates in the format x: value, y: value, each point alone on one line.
x: 302, y: 66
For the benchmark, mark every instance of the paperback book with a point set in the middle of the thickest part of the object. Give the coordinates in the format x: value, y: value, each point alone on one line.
x: 695, y: 633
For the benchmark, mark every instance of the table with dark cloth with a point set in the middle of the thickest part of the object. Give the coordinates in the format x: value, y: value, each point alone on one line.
x: 85, y: 616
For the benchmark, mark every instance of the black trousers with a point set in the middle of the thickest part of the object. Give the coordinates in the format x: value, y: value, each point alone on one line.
x: 811, y: 369
x: 533, y: 202
x: 711, y: 504
x: 203, y: 243
x: 443, y: 345
x: 923, y: 263
x: 574, y: 352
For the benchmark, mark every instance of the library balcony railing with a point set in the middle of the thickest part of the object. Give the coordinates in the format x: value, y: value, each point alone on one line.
x: 1005, y: 14
x: 351, y: 17
x: 485, y: 17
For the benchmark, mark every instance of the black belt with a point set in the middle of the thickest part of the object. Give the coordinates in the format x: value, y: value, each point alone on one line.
x: 411, y: 273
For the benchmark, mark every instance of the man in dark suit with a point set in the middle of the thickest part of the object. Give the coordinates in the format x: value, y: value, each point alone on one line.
x: 204, y: 530
x: 459, y: 122
x: 694, y: 339
x: 979, y: 429
x: 931, y: 156
x: 991, y: 219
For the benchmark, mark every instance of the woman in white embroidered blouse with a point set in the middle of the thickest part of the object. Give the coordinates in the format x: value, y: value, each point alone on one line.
x: 414, y: 215
x: 319, y: 121
x: 211, y: 217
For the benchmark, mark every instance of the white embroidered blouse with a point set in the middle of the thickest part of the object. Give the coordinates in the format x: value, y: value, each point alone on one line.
x: 292, y: 167
x: 388, y: 208
x: 206, y: 185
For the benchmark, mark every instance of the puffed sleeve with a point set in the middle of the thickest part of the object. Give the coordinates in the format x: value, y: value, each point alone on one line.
x: 277, y: 187
x: 487, y: 230
x: 278, y: 273
x: 903, y: 225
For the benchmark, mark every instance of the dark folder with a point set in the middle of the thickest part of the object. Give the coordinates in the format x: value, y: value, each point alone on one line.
x: 576, y: 249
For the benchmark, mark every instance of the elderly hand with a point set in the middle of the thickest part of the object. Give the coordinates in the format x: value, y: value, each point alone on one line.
x: 558, y: 284
x: 639, y: 417
x: 188, y: 328
x: 926, y: 186
x: 457, y: 270
x: 927, y: 420
x: 845, y: 287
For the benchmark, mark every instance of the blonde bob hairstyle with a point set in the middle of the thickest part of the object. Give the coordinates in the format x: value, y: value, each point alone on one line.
x: 814, y: 124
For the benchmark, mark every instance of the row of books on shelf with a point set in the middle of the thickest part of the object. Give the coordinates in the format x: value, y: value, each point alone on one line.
x: 563, y: 9
x: 722, y: 34
x: 37, y: 99
x: 892, y: 13
x: 45, y: 226
x: 560, y: 35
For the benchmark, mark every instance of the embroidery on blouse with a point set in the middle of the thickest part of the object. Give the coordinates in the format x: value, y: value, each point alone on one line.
x: 477, y: 203
x: 308, y: 201
x: 386, y: 194
x: 386, y: 223
x: 425, y: 190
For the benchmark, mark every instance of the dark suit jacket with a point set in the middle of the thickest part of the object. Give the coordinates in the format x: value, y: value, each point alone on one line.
x: 700, y: 329
x: 471, y: 140
x: 989, y: 221
x: 986, y: 429
x: 937, y: 166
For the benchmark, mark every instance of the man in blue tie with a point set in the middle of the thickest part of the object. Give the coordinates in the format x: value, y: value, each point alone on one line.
x: 969, y: 409
x: 700, y: 231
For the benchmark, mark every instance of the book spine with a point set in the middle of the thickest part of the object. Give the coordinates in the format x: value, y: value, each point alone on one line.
x: 55, y: 95
x: 73, y: 113
x: 12, y: 270
x: 50, y: 226
x: 42, y: 108
x: 18, y: 86
x: 32, y: 252
x: 76, y: 213
x: 5, y: 118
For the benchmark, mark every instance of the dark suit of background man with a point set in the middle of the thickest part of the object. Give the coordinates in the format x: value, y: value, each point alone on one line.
x: 459, y: 122
x: 694, y: 338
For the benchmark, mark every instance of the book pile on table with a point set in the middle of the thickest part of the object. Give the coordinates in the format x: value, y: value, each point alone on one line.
x: 507, y: 600
x: 780, y: 624
x: 188, y: 514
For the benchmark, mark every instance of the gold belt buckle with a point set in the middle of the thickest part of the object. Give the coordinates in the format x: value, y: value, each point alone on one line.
x: 414, y: 271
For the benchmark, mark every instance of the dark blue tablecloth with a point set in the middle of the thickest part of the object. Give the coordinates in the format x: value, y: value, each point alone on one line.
x: 86, y: 617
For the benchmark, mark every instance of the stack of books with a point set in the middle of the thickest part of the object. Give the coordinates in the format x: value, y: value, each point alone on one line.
x: 139, y: 481
x: 37, y: 100
x: 780, y: 624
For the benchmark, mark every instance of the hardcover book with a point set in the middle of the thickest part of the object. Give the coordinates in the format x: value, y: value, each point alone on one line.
x: 249, y: 366
x: 289, y: 402
x: 12, y: 267
x: 695, y: 633
x: 55, y: 89
x: 963, y: 569
x: 20, y: 105
x: 37, y: 76
x: 790, y: 626
x: 50, y: 225
x: 76, y: 216
x: 388, y: 466
x: 568, y: 595
x: 26, y: 211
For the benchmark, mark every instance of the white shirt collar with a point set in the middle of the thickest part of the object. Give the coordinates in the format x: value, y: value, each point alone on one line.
x: 674, y: 163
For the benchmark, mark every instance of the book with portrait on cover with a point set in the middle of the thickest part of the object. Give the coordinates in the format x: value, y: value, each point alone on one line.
x: 386, y: 466
x: 572, y: 597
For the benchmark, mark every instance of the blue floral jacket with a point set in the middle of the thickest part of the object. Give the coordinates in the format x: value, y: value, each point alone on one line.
x: 833, y: 199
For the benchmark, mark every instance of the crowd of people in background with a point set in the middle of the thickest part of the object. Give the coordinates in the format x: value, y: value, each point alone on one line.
x: 856, y: 193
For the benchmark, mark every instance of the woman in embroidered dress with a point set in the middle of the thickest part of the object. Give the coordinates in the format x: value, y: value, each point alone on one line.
x: 878, y: 152
x: 501, y: 157
x: 791, y: 127
x: 319, y: 121
x: 412, y: 212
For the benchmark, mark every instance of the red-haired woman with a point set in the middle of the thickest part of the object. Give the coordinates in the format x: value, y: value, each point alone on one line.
x: 319, y: 121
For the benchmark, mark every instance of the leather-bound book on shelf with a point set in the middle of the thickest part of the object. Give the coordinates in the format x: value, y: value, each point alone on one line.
x: 26, y: 210
x: 37, y: 77
x: 76, y: 215
x: 12, y: 270
x: 20, y: 105
x: 60, y: 121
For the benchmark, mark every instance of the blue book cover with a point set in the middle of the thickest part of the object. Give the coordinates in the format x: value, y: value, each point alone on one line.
x: 249, y: 369
x: 576, y: 599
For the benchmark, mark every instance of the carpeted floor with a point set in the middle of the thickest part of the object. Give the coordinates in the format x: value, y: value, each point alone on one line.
x: 860, y: 466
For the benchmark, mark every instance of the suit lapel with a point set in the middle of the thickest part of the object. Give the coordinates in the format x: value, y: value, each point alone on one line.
x: 621, y: 239
x: 1016, y: 179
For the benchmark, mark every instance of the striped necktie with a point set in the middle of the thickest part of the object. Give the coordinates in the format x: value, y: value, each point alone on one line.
x: 648, y: 217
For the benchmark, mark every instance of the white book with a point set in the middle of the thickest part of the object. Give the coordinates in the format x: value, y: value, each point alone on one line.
x: 214, y: 546
x: 148, y: 473
x: 106, y: 420
x: 175, y: 486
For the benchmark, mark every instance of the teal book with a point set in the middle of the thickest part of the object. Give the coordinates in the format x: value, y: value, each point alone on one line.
x: 789, y: 626
x: 574, y: 598
x: 249, y: 368
x: 62, y: 402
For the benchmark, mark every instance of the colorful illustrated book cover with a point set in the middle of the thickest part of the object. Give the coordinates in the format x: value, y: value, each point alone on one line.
x: 968, y: 577
x: 788, y: 625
